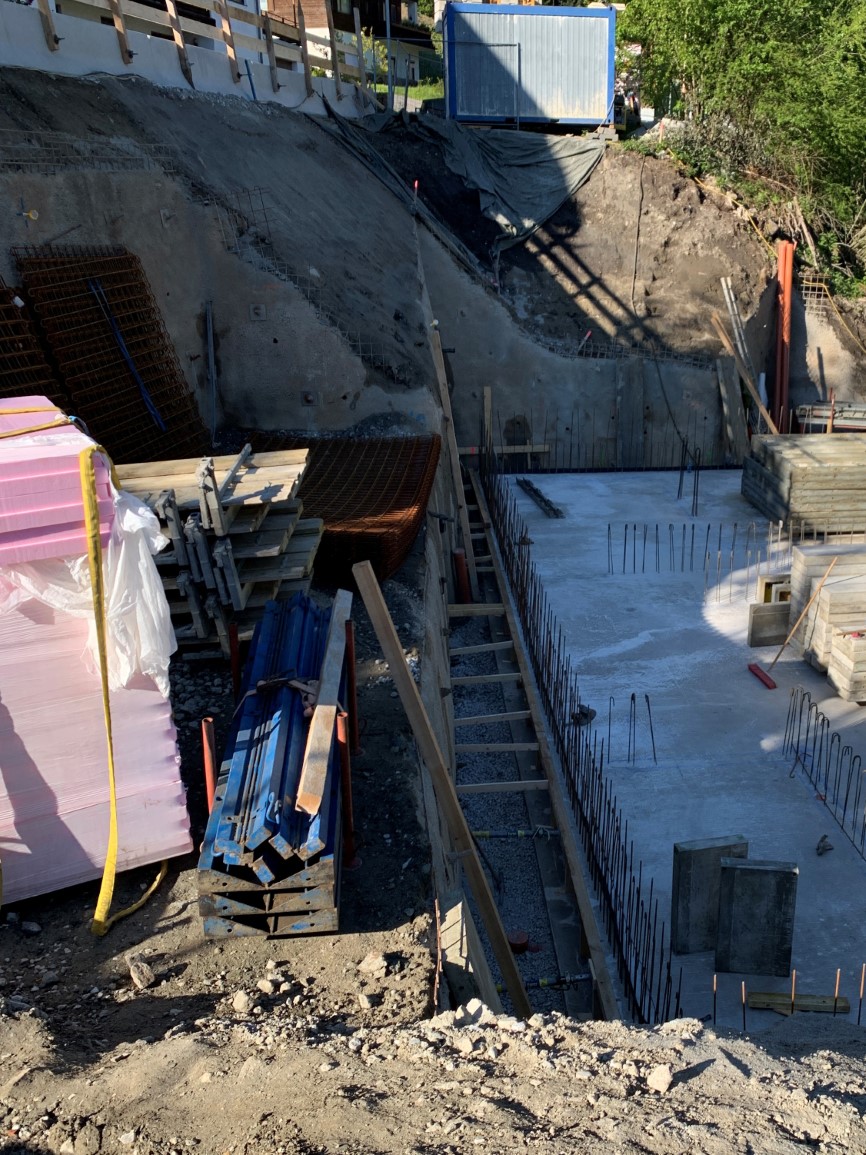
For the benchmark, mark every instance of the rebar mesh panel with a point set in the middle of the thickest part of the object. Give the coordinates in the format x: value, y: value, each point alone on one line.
x: 101, y: 386
x: 24, y: 367
x: 371, y: 494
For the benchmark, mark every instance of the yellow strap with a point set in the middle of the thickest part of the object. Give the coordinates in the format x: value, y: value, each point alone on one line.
x: 102, y: 921
x: 33, y: 428
x: 32, y: 409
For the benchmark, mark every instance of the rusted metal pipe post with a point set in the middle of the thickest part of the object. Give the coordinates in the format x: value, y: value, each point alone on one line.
x: 351, y: 861
x: 352, y: 691
x: 461, y: 577
x: 208, y: 748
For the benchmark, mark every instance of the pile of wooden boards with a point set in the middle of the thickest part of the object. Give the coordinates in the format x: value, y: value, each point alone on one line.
x: 237, y: 537
x: 846, y: 672
x: 809, y: 478
x: 841, y: 604
x: 270, y: 860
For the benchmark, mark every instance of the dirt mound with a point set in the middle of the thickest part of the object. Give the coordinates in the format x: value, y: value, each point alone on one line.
x: 261, y: 1079
x: 636, y: 254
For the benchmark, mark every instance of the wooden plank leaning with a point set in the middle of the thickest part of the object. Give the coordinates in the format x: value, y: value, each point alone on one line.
x: 314, y: 770
x: 120, y: 28
x: 48, y: 29
x: 446, y: 795
x: 743, y: 370
x: 180, y: 43
x: 305, y: 51
x: 267, y: 32
x: 335, y: 60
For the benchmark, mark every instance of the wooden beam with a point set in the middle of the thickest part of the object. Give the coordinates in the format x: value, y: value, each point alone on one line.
x: 562, y: 813
x: 446, y: 795
x: 484, y: 679
x: 335, y: 62
x: 742, y: 369
x: 493, y: 719
x: 495, y: 747
x: 484, y: 648
x: 359, y: 41
x: 474, y: 450
x: 453, y: 456
x: 120, y: 28
x: 517, y: 784
x: 780, y: 1001
x: 269, y: 46
x: 305, y: 51
x: 317, y: 755
x: 476, y: 610
x: 177, y: 33
x: 48, y: 29
x: 222, y: 10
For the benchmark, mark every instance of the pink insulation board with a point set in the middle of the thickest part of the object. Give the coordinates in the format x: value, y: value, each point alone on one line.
x: 53, y: 763
x: 41, y: 514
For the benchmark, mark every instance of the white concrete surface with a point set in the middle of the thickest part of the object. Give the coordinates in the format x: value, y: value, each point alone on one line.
x: 718, y: 730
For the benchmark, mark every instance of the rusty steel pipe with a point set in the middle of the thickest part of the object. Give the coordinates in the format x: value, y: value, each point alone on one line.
x: 461, y: 576
x: 208, y: 748
x: 351, y: 861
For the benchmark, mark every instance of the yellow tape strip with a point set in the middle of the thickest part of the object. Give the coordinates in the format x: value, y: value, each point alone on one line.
x: 32, y: 409
x: 102, y: 921
x: 33, y: 428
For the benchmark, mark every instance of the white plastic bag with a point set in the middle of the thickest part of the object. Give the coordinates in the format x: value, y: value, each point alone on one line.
x: 140, y: 636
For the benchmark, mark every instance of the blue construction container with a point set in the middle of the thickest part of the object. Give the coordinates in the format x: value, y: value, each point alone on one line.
x: 510, y: 64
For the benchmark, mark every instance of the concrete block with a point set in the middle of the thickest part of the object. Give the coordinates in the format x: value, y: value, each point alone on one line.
x: 756, y: 916
x: 695, y: 890
x: 768, y: 623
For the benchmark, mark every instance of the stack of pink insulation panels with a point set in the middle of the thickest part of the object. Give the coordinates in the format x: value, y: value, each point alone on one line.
x: 54, y: 812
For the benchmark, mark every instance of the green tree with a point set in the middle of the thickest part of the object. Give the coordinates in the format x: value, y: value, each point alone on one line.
x: 775, y: 86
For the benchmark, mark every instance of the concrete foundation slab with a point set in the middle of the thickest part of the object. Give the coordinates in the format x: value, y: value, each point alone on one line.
x: 757, y: 901
x: 695, y: 890
x: 656, y: 620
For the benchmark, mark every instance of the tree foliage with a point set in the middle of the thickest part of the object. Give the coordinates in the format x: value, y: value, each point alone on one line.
x: 782, y: 81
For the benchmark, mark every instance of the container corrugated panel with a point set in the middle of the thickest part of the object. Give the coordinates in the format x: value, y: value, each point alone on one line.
x: 511, y: 63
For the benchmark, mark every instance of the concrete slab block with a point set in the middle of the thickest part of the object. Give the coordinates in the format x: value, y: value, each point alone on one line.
x: 695, y: 890
x: 756, y: 916
x: 768, y: 623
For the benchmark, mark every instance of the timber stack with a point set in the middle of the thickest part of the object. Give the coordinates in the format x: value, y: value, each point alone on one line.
x: 238, y: 539
x: 814, y: 481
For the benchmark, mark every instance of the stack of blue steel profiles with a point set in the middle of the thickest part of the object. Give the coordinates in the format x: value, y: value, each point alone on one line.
x: 265, y: 867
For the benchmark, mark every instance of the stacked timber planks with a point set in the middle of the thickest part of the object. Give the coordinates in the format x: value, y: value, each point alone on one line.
x: 841, y: 604
x: 268, y: 866
x: 237, y: 537
x: 846, y: 671
x: 817, y: 480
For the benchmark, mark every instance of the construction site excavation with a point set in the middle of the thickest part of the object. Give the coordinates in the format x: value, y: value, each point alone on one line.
x: 432, y: 601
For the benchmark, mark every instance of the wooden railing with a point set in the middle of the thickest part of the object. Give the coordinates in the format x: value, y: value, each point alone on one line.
x: 285, y: 45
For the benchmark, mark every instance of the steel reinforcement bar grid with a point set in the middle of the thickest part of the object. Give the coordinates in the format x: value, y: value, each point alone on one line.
x: 372, y: 495
x: 638, y: 938
x: 63, y: 285
x: 24, y: 368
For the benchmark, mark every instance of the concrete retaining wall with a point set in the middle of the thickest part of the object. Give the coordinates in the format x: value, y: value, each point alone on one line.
x: 88, y: 48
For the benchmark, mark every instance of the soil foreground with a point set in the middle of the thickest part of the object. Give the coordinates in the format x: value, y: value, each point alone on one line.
x: 256, y: 1047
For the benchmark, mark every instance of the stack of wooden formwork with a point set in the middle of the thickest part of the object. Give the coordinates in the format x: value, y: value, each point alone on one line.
x: 237, y: 537
x: 816, y: 480
x: 846, y: 672
x: 841, y: 603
